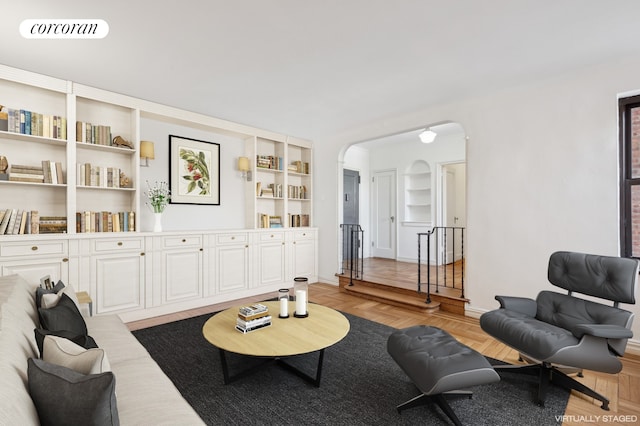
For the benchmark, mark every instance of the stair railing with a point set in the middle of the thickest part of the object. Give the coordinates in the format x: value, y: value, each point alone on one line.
x: 441, y: 259
x: 352, y: 250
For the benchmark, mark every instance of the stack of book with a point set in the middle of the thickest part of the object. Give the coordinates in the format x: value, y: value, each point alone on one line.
x: 252, y: 318
x: 47, y: 172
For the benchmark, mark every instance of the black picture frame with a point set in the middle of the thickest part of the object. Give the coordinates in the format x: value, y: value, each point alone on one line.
x: 194, y: 171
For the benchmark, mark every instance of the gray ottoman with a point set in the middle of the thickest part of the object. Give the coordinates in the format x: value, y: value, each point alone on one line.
x: 438, y: 364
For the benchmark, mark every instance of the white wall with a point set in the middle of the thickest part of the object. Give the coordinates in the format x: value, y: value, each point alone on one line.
x: 229, y: 214
x: 542, y: 175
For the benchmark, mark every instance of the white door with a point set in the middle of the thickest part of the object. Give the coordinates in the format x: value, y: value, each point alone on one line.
x: 453, y: 210
x: 384, y: 214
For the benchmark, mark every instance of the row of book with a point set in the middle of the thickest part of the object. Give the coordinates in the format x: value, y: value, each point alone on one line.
x: 104, y: 221
x: 298, y: 192
x: 299, y: 167
x: 252, y: 318
x: 91, y: 175
x: 268, y: 221
x: 48, y: 172
x: 269, y: 162
x: 298, y: 220
x: 20, y: 222
x: 96, y: 134
x: 33, y: 123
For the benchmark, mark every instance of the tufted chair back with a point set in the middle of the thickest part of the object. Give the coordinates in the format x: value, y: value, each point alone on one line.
x: 610, y: 278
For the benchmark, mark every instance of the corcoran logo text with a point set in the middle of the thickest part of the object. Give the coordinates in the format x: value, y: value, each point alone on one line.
x: 64, y: 28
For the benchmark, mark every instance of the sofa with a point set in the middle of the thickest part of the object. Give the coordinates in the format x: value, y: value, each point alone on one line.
x: 141, y: 393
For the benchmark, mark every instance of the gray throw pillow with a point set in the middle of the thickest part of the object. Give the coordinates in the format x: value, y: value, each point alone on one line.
x: 64, y: 316
x: 65, y: 397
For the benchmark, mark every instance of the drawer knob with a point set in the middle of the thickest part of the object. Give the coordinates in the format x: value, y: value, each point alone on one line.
x: 142, y: 254
x: 34, y: 248
x: 184, y: 241
x: 119, y: 243
x: 233, y: 238
x: 201, y: 249
x: 66, y: 259
x: 272, y: 235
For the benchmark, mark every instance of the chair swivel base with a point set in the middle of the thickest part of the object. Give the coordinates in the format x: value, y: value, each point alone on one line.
x: 439, y: 399
x: 547, y: 373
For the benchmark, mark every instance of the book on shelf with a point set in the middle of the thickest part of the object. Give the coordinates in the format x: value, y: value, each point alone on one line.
x: 96, y: 134
x: 105, y: 221
x: 298, y: 220
x: 52, y: 172
x: 33, y: 123
x: 52, y: 224
x: 19, y: 222
x: 23, y: 173
x: 269, y: 162
x: 299, y: 167
x: 99, y: 176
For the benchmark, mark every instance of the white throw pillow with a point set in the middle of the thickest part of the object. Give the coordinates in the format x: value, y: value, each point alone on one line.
x: 50, y: 300
x: 61, y: 351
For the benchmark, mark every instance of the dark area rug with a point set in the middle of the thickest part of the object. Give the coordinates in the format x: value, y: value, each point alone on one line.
x: 361, y: 385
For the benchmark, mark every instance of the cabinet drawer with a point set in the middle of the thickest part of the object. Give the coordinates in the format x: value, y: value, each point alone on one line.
x: 185, y: 241
x: 303, y: 235
x: 231, y: 238
x: 272, y: 236
x: 33, y: 248
x: 118, y: 244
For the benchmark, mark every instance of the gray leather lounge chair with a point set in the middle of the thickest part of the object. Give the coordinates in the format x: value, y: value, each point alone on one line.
x: 562, y: 330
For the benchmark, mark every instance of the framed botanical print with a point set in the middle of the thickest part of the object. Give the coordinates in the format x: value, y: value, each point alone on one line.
x: 194, y: 171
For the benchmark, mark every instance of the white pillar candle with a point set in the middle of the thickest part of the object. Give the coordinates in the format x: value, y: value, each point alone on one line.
x: 301, y: 302
x: 284, y: 307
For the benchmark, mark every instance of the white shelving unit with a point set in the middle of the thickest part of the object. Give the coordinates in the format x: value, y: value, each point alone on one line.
x: 280, y: 193
x: 418, y: 195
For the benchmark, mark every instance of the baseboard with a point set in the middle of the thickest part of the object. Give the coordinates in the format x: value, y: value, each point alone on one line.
x: 329, y: 280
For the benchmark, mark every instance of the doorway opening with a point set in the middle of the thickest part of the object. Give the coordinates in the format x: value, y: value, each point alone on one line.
x: 395, y: 204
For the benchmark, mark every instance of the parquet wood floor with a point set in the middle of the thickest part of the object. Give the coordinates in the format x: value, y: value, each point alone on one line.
x: 622, y: 389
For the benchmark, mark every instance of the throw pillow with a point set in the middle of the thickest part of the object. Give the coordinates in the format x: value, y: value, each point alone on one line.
x: 65, y: 397
x: 64, y: 316
x: 86, y: 342
x: 61, y: 351
x: 42, y: 291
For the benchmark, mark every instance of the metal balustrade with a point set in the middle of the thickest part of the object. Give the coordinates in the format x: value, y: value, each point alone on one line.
x: 445, y: 241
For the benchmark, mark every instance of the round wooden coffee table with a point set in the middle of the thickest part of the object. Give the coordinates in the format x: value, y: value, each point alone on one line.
x: 285, y: 337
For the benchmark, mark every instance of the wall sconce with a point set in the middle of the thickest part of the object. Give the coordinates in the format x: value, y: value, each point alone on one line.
x: 427, y: 136
x: 147, y: 152
x: 243, y: 166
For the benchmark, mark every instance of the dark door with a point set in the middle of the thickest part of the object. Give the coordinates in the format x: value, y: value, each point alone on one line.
x: 350, y: 209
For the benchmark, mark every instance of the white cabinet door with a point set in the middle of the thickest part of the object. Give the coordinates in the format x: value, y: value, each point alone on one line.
x: 232, y: 261
x: 303, y: 255
x: 182, y: 275
x: 119, y: 282
x: 272, y: 265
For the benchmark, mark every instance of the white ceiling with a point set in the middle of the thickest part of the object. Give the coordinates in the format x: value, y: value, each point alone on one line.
x: 316, y: 68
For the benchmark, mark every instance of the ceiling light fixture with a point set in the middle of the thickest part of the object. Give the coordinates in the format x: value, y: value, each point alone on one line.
x: 427, y: 136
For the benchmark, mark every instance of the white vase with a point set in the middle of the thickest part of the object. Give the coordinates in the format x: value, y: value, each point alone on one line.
x: 157, y: 226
